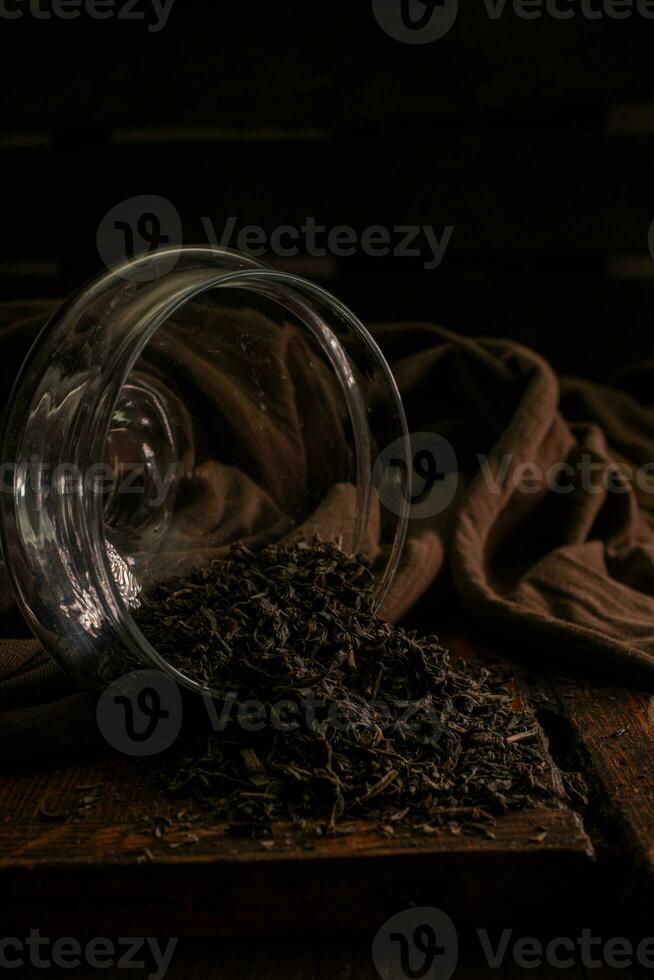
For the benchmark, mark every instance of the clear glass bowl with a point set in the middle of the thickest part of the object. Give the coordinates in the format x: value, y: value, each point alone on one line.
x: 181, y: 403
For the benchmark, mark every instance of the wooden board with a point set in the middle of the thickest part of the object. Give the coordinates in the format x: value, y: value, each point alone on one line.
x: 612, y: 732
x: 311, y: 64
x: 90, y: 829
x: 481, y: 183
x: 604, y: 733
x: 210, y: 882
x: 145, y: 863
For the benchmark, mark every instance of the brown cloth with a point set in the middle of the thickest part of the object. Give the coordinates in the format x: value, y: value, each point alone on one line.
x: 549, y: 540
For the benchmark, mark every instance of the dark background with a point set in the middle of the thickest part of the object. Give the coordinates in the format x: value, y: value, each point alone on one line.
x: 533, y: 138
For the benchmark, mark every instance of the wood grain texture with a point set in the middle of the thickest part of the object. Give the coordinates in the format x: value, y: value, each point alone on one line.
x: 606, y: 733
x: 196, y: 877
x: 613, y: 729
x: 147, y: 863
x: 297, y: 63
x: 480, y: 177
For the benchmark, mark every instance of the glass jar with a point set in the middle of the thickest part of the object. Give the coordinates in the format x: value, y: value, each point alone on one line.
x: 181, y: 403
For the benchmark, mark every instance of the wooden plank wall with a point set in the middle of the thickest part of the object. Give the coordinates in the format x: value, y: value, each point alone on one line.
x: 533, y: 139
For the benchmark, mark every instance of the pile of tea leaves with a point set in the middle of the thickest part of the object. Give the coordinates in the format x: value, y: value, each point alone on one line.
x: 328, y: 713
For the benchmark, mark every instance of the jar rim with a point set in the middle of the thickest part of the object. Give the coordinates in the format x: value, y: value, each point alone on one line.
x: 102, y: 395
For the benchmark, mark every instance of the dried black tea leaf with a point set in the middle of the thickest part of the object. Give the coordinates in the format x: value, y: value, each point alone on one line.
x: 327, y: 712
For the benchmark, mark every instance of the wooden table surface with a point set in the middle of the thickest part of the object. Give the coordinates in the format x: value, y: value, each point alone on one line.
x: 80, y: 854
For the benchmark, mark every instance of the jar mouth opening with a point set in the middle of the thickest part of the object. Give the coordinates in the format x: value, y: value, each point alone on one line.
x: 305, y: 300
